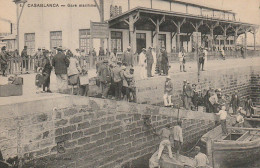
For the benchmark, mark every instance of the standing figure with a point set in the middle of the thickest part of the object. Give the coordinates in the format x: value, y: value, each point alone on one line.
x: 118, y: 80
x: 154, y: 61
x: 25, y: 57
x: 178, y: 137
x: 84, y: 81
x: 168, y: 89
x: 37, y: 56
x: 159, y: 62
x: 182, y: 61
x: 3, y: 60
x: 205, y: 52
x: 201, y: 59
x: 60, y: 63
x: 222, y: 53
x: 165, y: 63
x: 142, y: 63
x: 150, y: 61
x: 105, y: 78
x: 187, y: 95
x: 235, y: 102
x: 195, y: 96
x: 46, y: 73
x: 73, y: 71
x: 223, y: 117
x: 249, y: 107
x: 201, y: 160
x: 113, y: 57
x: 165, y: 134
x: 213, y: 99
x: 242, y: 52
x: 128, y: 57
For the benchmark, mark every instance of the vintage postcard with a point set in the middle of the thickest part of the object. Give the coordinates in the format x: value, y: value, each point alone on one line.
x: 129, y: 83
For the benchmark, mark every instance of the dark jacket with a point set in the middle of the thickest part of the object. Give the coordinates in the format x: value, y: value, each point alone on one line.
x: 235, y: 101
x: 149, y: 57
x: 105, y: 74
x: 47, y: 67
x: 24, y: 54
x: 60, y: 62
x: 164, y: 57
x: 128, y: 58
x: 3, y: 58
x: 187, y: 90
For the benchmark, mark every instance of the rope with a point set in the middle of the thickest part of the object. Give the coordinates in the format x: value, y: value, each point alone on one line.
x: 192, y: 147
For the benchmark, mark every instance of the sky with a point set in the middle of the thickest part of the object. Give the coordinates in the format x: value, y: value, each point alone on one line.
x: 247, y: 10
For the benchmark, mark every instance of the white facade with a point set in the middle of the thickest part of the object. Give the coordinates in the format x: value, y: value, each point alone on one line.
x: 38, y: 22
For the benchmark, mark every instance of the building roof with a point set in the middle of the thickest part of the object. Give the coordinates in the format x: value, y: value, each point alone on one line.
x: 9, y: 37
x: 178, y: 14
x: 185, y: 2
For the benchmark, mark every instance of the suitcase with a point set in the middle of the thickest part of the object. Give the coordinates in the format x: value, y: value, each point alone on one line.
x: 11, y: 90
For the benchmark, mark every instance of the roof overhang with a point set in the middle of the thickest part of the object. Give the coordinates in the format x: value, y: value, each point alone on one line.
x: 146, y: 14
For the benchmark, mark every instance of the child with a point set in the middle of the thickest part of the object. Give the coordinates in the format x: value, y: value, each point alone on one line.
x: 84, y: 82
x: 223, y: 116
x: 38, y: 80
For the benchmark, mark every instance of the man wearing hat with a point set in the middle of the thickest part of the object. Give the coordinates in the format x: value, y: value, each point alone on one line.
x: 3, y: 60
x: 37, y: 57
x: 235, y: 102
x: 201, y: 59
x: 164, y: 62
x: 201, y: 160
x: 150, y: 61
x: 60, y: 63
x: 168, y: 89
x: 128, y: 57
x: 142, y: 63
x: 187, y: 94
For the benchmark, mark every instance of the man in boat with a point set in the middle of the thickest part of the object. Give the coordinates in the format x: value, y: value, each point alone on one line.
x: 240, y: 119
x: 223, y: 117
x: 235, y: 101
x: 178, y: 137
x: 165, y: 134
x: 249, y: 107
x: 201, y: 160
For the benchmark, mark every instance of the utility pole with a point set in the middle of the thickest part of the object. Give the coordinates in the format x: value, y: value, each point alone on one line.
x: 18, y: 16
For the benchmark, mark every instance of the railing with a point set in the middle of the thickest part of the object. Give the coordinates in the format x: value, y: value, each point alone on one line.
x: 18, y: 65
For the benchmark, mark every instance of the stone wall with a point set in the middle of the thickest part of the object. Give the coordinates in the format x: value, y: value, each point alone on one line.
x: 255, y: 86
x: 228, y: 79
x: 94, y: 132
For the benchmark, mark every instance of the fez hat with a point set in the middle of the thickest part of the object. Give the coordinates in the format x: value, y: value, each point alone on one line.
x: 197, y: 148
x: 3, y: 48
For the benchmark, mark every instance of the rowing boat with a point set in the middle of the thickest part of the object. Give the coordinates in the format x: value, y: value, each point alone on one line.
x: 239, y: 147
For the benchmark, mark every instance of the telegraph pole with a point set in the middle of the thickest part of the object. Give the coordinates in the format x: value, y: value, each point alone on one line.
x: 18, y: 16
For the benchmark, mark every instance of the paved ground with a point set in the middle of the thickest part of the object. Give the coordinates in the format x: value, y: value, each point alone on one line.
x: 29, y: 89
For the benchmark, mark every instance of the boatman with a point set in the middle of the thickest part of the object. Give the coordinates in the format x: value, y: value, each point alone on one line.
x: 201, y: 160
x: 223, y: 117
x: 165, y: 134
x: 178, y: 137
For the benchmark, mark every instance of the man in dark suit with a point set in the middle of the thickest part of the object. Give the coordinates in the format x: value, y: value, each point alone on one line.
x: 149, y: 58
x: 235, y: 102
x: 60, y: 63
x: 164, y: 61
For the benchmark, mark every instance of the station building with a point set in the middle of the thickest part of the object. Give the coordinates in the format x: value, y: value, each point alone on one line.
x: 136, y: 23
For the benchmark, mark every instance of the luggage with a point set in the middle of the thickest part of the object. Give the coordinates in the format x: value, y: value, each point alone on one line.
x: 11, y: 90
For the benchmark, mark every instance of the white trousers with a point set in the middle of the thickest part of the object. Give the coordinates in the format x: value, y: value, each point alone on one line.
x: 164, y: 143
x: 153, y: 68
x: 143, y: 73
x: 62, y: 82
x: 167, y: 99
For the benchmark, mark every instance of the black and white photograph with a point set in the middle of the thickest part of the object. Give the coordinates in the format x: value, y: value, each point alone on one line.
x: 129, y: 84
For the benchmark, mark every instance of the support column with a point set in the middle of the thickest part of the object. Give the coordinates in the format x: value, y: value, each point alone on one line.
x: 211, y: 42
x: 132, y: 33
x: 225, y: 36
x: 157, y: 30
x: 254, y: 34
x: 178, y: 39
x: 245, y: 43
x: 235, y: 37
